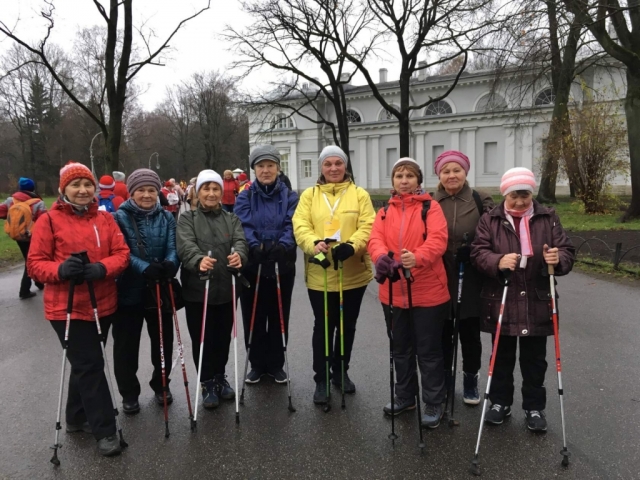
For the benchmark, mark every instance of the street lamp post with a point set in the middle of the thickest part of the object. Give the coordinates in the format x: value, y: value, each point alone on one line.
x: 93, y: 170
x: 157, y: 160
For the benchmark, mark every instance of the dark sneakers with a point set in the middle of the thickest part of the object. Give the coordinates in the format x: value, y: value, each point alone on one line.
x: 253, y: 376
x: 209, y: 394
x: 130, y: 407
x: 401, y: 405
x: 470, y: 395
x: 320, y: 395
x: 84, y: 427
x: 160, y: 398
x: 27, y: 295
x: 223, y: 389
x: 280, y: 376
x: 497, y: 413
x: 432, y: 415
x: 536, y: 420
x: 109, y: 446
x: 349, y: 386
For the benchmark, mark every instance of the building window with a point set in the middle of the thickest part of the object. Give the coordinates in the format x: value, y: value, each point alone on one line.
x: 353, y: 117
x: 436, y: 150
x: 386, y: 115
x: 281, y: 122
x: 437, y: 108
x: 392, y: 158
x: 491, y: 102
x: 545, y: 97
x: 491, y: 157
x: 306, y: 168
x: 284, y: 163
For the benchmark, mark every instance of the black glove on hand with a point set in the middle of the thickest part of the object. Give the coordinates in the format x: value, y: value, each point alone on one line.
x: 258, y: 255
x: 342, y: 252
x: 170, y: 269
x: 71, y: 267
x: 277, y: 253
x: 463, y: 254
x: 94, y: 271
x: 155, y: 271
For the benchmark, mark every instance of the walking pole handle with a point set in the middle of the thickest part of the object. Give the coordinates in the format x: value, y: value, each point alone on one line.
x: 506, y: 276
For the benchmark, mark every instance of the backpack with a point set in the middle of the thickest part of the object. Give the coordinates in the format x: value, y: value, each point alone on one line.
x: 20, y: 219
x: 107, y: 203
x: 172, y: 198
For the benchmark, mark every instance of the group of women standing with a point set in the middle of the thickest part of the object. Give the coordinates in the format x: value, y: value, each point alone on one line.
x: 417, y: 243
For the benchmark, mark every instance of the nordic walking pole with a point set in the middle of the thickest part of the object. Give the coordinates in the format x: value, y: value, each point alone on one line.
x: 65, y: 347
x: 327, y: 407
x: 253, y: 318
x: 284, y: 338
x: 180, y: 350
x: 162, y: 366
x: 407, y: 276
x: 235, y: 338
x: 392, y: 384
x: 194, y: 420
x: 506, y: 274
x: 556, y: 333
x: 338, y: 265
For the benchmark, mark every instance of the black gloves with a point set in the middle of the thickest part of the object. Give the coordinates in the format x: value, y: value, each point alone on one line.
x: 170, y: 269
x: 277, y: 253
x: 94, y: 271
x: 258, y: 255
x: 70, y: 268
x: 463, y: 254
x: 342, y: 252
x: 155, y: 271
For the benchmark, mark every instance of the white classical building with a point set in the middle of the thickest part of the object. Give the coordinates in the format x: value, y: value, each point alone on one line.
x: 497, y: 125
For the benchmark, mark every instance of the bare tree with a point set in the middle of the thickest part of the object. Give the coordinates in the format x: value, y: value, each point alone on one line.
x: 120, y: 67
x: 177, y: 110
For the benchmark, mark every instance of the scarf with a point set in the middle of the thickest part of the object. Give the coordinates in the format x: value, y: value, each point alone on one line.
x: 525, y: 234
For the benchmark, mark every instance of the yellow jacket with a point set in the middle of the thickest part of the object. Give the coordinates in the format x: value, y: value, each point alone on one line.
x: 356, y: 215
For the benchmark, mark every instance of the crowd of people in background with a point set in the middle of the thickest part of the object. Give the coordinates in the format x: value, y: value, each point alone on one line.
x: 138, y: 232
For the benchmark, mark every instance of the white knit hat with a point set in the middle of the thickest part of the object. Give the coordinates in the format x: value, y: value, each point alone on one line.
x: 206, y: 176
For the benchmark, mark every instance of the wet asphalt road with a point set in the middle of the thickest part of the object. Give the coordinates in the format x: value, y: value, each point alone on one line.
x: 600, y: 340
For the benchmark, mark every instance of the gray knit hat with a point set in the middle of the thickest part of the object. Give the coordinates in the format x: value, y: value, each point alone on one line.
x: 264, y: 152
x: 331, y: 151
x: 118, y: 176
x: 143, y: 177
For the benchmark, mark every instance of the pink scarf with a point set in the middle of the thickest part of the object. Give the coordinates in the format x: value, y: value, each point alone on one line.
x: 525, y: 234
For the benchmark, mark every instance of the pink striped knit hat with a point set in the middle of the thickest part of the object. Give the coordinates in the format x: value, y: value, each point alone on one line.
x: 518, y: 178
x: 451, y: 156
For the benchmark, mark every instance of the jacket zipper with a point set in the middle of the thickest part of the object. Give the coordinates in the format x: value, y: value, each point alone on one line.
x: 95, y: 229
x: 402, y: 292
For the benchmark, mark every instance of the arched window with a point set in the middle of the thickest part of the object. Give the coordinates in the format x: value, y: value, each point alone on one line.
x: 385, y: 114
x: 545, y: 97
x: 281, y: 122
x: 491, y: 102
x: 437, y: 108
x: 353, y: 117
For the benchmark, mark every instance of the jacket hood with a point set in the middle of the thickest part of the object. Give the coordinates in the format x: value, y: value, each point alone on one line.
x: 277, y: 188
x: 398, y: 199
x: 130, y: 206
x: 334, y: 188
x: 23, y: 196
x: 60, y: 204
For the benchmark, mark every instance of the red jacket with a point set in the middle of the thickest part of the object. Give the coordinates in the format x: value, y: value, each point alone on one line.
x: 62, y: 232
x: 403, y: 228
x: 170, y: 208
x: 117, y: 200
x: 121, y: 190
x: 230, y: 190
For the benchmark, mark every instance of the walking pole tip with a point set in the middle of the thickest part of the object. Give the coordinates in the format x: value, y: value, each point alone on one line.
x: 166, y: 430
x: 453, y: 422
x: 194, y: 425
x: 54, y: 459
x: 237, y: 418
x: 565, y: 457
x: 291, y: 409
x: 475, y: 467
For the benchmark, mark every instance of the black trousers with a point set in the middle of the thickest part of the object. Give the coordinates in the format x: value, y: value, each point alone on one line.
x: 470, y: 344
x: 352, y: 299
x: 267, y: 355
x: 25, y: 284
x: 88, y: 399
x: 425, y: 341
x: 217, y: 336
x: 533, y: 366
x: 127, y: 329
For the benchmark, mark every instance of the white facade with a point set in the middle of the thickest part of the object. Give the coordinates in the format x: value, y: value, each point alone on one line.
x: 504, y: 134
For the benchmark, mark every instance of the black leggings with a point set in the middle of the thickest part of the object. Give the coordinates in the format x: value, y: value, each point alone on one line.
x: 470, y: 344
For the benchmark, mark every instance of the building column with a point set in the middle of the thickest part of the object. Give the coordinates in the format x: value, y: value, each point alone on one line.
x: 527, y: 145
x: 362, y: 168
x: 471, y: 153
x: 509, y: 147
x: 293, y: 164
x: 455, y: 138
x: 420, y: 150
x: 375, y: 161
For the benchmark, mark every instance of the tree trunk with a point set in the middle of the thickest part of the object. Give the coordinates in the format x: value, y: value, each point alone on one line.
x: 632, y: 110
x: 405, y: 128
x: 549, y: 175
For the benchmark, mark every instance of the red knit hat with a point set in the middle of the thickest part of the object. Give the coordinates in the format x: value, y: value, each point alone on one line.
x: 168, y: 183
x: 107, y: 182
x: 73, y: 170
x: 242, y: 177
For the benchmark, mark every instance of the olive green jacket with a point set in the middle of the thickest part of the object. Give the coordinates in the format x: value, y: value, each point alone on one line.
x: 198, y: 232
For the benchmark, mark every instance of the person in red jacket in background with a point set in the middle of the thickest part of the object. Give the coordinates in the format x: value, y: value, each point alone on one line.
x: 75, y: 224
x: 230, y: 191
x: 173, y: 199
x: 26, y: 193
x: 121, y: 188
x: 418, y: 245
x: 107, y: 198
x: 243, y: 182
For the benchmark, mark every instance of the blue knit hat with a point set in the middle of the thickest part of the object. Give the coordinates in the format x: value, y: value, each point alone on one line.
x: 26, y: 184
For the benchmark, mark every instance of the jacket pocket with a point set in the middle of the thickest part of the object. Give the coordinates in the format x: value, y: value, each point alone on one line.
x: 542, y: 309
x: 489, y: 309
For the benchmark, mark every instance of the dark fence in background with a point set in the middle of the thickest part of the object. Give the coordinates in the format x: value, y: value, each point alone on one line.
x: 589, y: 250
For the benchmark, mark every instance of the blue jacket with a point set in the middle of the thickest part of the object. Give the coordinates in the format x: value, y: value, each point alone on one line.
x: 158, y: 234
x: 266, y: 218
